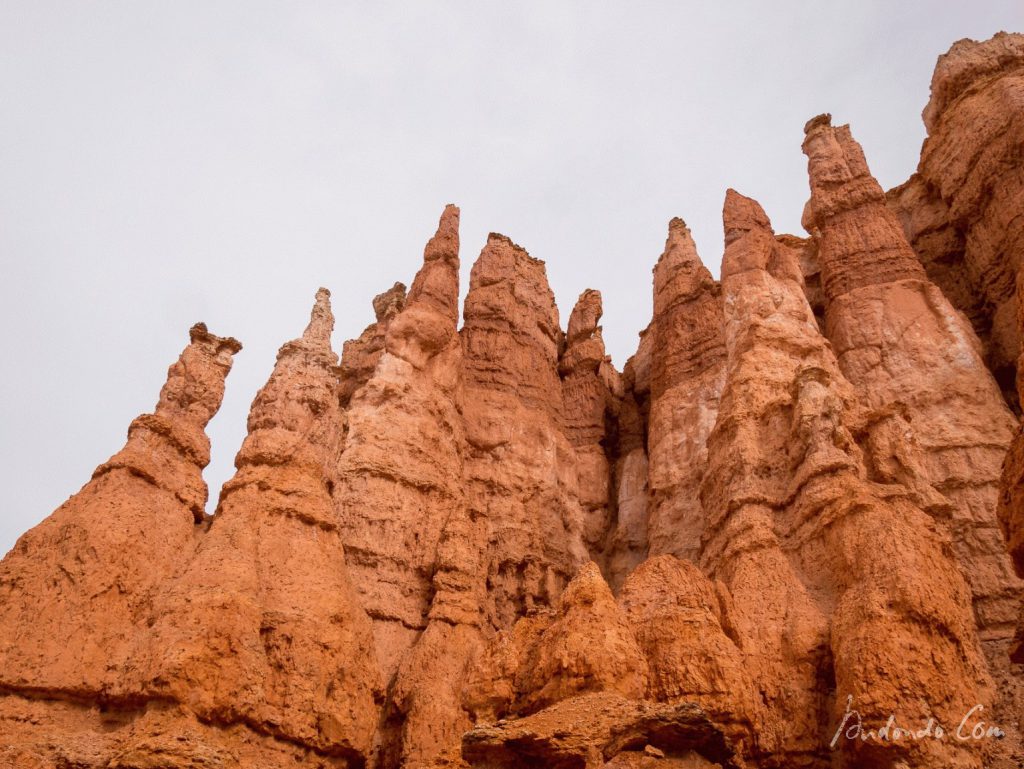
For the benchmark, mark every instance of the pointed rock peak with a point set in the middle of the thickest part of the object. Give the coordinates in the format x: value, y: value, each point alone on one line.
x: 680, y: 240
x: 436, y: 286
x: 170, y: 447
x: 195, y: 383
x: 321, y: 320
x: 838, y: 173
x: 679, y: 273
x: 300, y: 393
x: 868, y: 248
x: 502, y: 259
x: 586, y: 588
x: 585, y: 315
x: 742, y: 213
x: 390, y: 302
x: 824, y: 119
x: 445, y: 243
x: 750, y: 242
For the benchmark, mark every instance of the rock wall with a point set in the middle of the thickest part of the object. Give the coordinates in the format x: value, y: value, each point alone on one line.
x: 960, y: 211
x: 785, y: 532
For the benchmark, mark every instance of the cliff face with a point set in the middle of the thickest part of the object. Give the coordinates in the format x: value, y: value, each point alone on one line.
x: 960, y: 210
x: 794, y: 517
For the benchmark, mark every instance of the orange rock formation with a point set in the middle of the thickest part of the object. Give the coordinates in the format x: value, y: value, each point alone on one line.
x: 790, y: 533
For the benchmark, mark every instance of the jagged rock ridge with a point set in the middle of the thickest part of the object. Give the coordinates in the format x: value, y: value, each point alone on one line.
x: 484, y: 546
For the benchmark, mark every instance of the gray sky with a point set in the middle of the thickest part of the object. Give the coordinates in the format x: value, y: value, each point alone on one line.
x: 164, y: 163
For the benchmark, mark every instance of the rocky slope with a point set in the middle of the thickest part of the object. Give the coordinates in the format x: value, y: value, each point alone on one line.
x: 790, y: 533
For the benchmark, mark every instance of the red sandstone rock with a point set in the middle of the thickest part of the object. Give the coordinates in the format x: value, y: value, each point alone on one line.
x: 263, y: 627
x: 677, y: 617
x: 591, y: 391
x: 586, y: 646
x: 520, y: 476
x: 961, y: 209
x: 602, y: 730
x: 944, y: 433
x: 788, y: 497
x: 399, y: 478
x: 687, y: 352
x: 359, y: 356
x: 628, y: 543
x: 400, y: 486
x: 78, y: 588
x: 1011, y: 499
x: 592, y: 658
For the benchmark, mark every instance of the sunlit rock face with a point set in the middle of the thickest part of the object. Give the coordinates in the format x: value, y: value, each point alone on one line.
x: 794, y: 517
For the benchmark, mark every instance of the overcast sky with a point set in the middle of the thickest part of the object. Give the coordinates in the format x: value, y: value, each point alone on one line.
x: 165, y: 163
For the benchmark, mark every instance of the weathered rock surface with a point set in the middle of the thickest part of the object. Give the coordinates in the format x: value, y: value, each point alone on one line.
x: 586, y: 645
x: 677, y: 616
x: 263, y: 627
x: 601, y: 730
x: 793, y: 518
x: 1011, y: 498
x: 399, y: 478
x: 961, y: 210
x: 359, y: 356
x: 521, y: 478
x: 91, y: 569
x: 592, y: 391
x: 687, y: 356
x: 78, y: 589
x: 611, y: 662
x: 945, y: 434
x: 789, y: 495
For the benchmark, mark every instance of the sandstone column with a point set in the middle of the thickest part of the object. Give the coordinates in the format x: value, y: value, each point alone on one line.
x: 937, y: 422
x: 687, y: 354
x: 520, y: 477
x: 591, y: 393
x: 400, y: 476
x: 875, y: 564
x: 263, y: 627
x: 74, y: 588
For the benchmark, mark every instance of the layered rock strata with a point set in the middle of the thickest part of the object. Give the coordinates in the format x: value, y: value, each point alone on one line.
x: 592, y: 391
x: 815, y: 603
x: 945, y: 434
x: 521, y: 471
x: 263, y: 626
x: 399, y: 478
x: 961, y: 209
x: 686, y: 370
x: 91, y: 570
